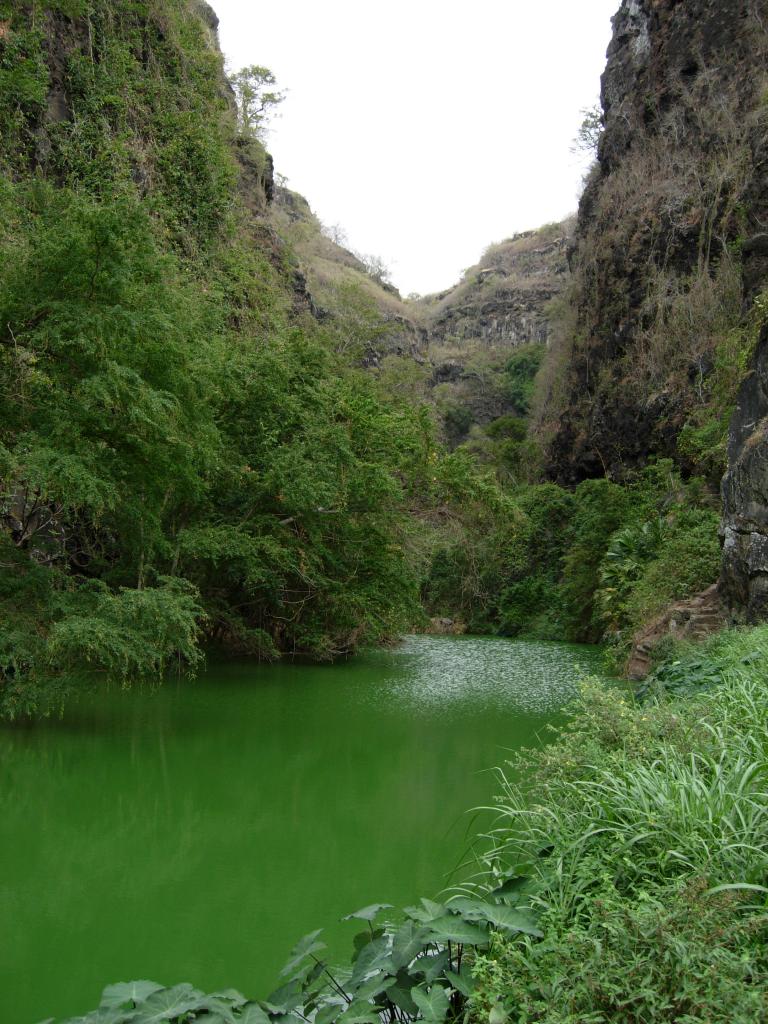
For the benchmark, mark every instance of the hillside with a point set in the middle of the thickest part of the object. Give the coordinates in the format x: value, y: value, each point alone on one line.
x: 487, y: 334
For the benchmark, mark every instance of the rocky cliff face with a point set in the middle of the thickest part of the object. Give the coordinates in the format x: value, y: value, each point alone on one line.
x: 744, y: 582
x: 504, y: 299
x: 670, y: 243
x: 501, y: 306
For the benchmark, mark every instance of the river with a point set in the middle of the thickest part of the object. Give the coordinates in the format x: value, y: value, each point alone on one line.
x: 197, y: 832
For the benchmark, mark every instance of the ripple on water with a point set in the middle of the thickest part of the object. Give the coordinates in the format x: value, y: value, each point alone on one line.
x: 486, y: 673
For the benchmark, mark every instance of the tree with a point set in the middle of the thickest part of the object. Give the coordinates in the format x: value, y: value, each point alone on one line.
x: 590, y: 130
x: 256, y: 99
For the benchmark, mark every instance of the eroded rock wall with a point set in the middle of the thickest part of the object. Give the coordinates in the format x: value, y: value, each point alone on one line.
x: 670, y: 243
x: 744, y: 582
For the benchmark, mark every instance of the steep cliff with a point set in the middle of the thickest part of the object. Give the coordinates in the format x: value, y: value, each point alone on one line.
x: 487, y: 334
x: 744, y: 582
x: 670, y: 245
x: 503, y: 299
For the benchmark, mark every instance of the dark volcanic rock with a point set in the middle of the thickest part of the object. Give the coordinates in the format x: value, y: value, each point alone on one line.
x: 745, y: 496
x: 681, y: 182
x: 503, y: 301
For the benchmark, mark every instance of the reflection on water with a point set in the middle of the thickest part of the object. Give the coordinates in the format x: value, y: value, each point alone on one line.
x: 196, y: 833
x: 441, y: 677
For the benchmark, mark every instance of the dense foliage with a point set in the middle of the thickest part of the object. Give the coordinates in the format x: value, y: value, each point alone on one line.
x: 653, y: 897
x: 182, y: 454
x: 590, y: 564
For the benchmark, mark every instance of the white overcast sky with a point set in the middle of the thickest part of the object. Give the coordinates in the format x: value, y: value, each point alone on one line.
x: 427, y: 128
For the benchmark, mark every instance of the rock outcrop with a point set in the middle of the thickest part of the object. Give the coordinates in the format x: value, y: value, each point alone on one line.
x: 745, y: 497
x: 694, y: 619
x: 501, y: 305
x: 678, y: 197
x: 343, y: 287
x: 504, y: 299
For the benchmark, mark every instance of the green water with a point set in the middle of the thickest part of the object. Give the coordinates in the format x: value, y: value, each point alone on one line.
x: 196, y: 833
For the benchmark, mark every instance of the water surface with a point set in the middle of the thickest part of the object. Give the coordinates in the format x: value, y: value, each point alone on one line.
x: 194, y: 834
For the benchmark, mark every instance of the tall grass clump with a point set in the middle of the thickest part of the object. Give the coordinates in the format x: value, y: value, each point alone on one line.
x: 644, y: 830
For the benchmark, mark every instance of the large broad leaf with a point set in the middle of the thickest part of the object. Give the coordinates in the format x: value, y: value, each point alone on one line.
x: 304, y: 947
x: 127, y: 994
x: 362, y: 939
x: 431, y: 966
x: 428, y: 911
x: 463, y: 982
x: 374, y: 986
x: 400, y: 993
x: 368, y: 913
x: 359, y: 1013
x: 285, y: 998
x: 452, y: 928
x: 219, y: 1009
x: 408, y: 941
x: 329, y: 1012
x: 252, y: 1013
x: 513, y: 885
x: 169, y: 1004
x: 373, y: 957
x: 498, y: 1015
x: 514, y: 919
x: 309, y: 971
x: 230, y: 996
x: 432, y: 1002
x: 502, y: 916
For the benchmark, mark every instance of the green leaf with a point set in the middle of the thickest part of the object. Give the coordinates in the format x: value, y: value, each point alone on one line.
x: 373, y: 987
x: 431, y: 966
x: 329, y: 1013
x: 128, y: 992
x: 368, y: 913
x: 736, y: 887
x: 304, y: 947
x: 515, y: 919
x: 428, y: 911
x: 498, y: 1014
x: 375, y: 956
x: 433, y: 1003
x: 452, y: 928
x: 408, y: 941
x: 285, y: 998
x: 362, y: 939
x: 169, y: 1003
x: 359, y: 1013
x: 400, y: 993
x: 252, y: 1013
x: 231, y: 995
x: 502, y: 916
x: 463, y: 982
x: 514, y: 883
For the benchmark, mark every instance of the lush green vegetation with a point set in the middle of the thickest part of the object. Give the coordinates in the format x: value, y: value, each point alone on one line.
x: 652, y: 897
x: 183, y: 454
x: 591, y: 564
x: 188, y: 454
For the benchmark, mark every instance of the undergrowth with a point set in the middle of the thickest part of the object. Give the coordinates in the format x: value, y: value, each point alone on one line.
x: 653, y: 821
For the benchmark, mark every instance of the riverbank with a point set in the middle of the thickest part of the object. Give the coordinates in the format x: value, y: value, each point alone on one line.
x: 626, y: 883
